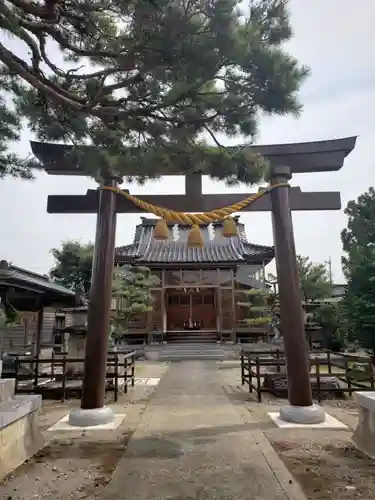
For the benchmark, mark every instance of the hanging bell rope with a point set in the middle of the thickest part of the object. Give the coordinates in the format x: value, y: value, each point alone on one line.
x: 194, y: 220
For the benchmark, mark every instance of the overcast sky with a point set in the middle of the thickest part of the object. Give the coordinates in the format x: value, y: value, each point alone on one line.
x: 331, y: 36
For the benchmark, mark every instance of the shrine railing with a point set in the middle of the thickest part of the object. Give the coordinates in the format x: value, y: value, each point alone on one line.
x: 57, y: 377
x: 336, y: 373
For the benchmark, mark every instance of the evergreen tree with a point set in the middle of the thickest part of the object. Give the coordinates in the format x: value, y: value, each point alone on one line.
x: 330, y: 318
x: 131, y: 285
x: 315, y: 285
x: 152, y: 83
x: 73, y: 266
x: 12, y: 164
x: 260, y: 304
x: 314, y: 279
x: 132, y: 290
x: 359, y: 268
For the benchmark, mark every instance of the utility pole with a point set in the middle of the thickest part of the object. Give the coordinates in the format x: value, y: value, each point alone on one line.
x: 329, y: 263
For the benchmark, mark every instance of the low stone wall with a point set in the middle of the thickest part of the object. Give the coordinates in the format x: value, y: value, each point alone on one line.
x: 364, y: 435
x: 20, y: 436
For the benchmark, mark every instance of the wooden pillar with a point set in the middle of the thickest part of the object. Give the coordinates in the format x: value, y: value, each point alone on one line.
x: 264, y: 273
x: 291, y: 313
x: 193, y: 185
x: 219, y: 314
x: 150, y: 325
x: 26, y: 322
x: 234, y: 321
x: 163, y: 307
x: 100, y: 303
x: 39, y: 330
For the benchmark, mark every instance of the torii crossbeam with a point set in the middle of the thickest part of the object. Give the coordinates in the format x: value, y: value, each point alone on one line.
x: 285, y: 160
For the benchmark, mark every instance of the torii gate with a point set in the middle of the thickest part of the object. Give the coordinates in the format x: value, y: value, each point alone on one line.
x: 285, y: 160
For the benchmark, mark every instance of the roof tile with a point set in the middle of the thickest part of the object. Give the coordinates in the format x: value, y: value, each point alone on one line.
x: 219, y: 249
x: 177, y: 252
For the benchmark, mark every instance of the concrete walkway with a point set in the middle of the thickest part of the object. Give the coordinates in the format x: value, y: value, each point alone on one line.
x: 193, y: 443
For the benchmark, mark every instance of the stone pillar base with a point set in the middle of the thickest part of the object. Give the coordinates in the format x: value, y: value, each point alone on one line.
x: 89, y: 418
x: 307, y: 415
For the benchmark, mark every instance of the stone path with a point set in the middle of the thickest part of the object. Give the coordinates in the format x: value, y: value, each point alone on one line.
x: 193, y: 443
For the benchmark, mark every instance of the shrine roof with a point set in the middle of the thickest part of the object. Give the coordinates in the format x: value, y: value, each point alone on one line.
x: 174, y: 252
x: 35, y: 285
x: 216, y: 249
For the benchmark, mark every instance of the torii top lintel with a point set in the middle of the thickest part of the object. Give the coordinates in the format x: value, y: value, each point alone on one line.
x: 322, y: 156
x: 302, y: 157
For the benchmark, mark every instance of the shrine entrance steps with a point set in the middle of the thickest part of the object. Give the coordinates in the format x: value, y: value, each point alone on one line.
x: 191, y: 337
x: 191, y: 351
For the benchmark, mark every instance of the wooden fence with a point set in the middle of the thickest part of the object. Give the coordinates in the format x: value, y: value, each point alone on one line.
x: 52, y: 377
x: 353, y: 372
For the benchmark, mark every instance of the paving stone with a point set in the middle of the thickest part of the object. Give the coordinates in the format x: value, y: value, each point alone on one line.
x: 192, y: 443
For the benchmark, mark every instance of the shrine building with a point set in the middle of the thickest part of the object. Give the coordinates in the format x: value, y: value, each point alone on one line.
x: 200, y: 287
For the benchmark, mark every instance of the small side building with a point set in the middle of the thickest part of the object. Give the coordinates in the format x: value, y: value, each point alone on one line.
x: 36, y: 297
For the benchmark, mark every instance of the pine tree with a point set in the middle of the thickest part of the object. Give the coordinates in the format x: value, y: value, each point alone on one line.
x: 12, y: 164
x: 259, y: 303
x: 359, y: 268
x: 152, y: 83
x: 73, y: 266
x: 314, y: 279
x: 332, y: 323
x: 132, y: 290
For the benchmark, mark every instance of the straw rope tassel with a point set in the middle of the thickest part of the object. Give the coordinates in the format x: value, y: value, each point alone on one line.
x: 195, y: 238
x: 161, y: 231
x: 229, y: 228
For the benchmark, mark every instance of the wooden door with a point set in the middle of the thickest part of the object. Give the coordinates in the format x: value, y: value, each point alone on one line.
x: 178, y: 310
x: 203, y: 309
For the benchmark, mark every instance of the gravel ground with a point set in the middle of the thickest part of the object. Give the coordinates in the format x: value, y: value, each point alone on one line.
x: 327, y: 467
x: 324, y: 462
x: 77, y: 465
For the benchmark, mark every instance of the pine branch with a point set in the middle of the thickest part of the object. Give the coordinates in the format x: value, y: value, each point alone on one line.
x: 162, y: 75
